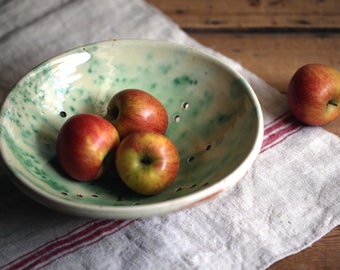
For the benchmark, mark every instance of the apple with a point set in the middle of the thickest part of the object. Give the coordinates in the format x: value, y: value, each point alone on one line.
x: 83, y: 143
x: 133, y: 110
x: 314, y: 94
x: 147, y: 162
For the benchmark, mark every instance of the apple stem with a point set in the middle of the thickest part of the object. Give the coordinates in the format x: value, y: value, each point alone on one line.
x: 332, y: 103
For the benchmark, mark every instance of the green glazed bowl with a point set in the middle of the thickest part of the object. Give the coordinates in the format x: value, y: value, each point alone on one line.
x: 215, y: 121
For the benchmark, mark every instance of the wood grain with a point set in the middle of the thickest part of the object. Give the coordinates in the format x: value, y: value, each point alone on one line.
x: 324, y: 254
x: 271, y: 38
x: 238, y: 15
x: 275, y: 57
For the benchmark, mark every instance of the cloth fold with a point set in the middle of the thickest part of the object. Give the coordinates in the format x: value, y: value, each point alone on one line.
x: 288, y: 200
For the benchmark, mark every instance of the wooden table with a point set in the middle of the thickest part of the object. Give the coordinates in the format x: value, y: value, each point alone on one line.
x: 271, y: 38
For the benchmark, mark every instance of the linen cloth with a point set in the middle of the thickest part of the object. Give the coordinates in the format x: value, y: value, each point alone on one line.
x: 287, y: 201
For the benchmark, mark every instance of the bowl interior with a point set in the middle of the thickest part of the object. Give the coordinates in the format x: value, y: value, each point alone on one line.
x: 214, y: 117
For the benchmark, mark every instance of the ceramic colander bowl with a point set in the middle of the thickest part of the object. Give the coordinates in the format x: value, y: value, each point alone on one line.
x: 215, y: 121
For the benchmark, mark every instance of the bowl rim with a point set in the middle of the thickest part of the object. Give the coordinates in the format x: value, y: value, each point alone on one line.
x: 143, y: 210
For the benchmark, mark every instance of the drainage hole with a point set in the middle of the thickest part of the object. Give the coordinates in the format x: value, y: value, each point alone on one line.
x: 185, y: 105
x: 63, y: 114
x: 177, y: 118
x: 80, y: 196
x: 190, y: 159
x: 208, y: 147
x: 178, y: 189
x: 64, y: 193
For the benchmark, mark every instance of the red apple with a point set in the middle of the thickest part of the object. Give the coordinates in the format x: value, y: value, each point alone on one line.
x: 314, y: 94
x: 147, y: 162
x: 83, y: 142
x: 133, y: 110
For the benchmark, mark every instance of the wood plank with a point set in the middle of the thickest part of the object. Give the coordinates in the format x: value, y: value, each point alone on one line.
x: 237, y: 15
x: 275, y: 57
x: 324, y: 254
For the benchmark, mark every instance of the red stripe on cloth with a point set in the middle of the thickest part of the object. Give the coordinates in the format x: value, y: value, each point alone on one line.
x: 92, y: 232
x: 47, y: 244
x: 285, y: 128
x: 89, y: 241
x: 278, y: 122
x: 281, y: 139
x: 76, y: 238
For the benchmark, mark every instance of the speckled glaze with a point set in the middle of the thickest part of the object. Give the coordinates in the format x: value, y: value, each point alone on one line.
x: 215, y: 121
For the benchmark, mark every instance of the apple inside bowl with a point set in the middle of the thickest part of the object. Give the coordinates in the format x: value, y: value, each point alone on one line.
x: 215, y: 121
